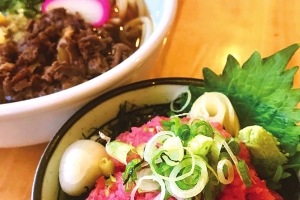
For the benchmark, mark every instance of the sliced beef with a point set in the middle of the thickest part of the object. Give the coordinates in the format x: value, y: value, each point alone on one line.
x: 120, y: 52
x: 59, y: 50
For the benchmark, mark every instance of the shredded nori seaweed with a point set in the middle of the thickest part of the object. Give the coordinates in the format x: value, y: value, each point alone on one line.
x: 132, y: 170
x: 130, y: 115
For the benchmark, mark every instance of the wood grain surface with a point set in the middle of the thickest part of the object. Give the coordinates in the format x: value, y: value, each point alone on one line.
x: 204, y: 33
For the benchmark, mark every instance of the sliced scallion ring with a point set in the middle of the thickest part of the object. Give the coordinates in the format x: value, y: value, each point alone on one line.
x: 151, y: 148
x: 229, y: 170
x: 174, y: 150
x: 119, y: 150
x: 150, y: 177
x: 190, y: 161
x: 244, y: 173
x: 216, y: 147
x: 189, y: 97
x: 194, y: 190
x: 230, y: 152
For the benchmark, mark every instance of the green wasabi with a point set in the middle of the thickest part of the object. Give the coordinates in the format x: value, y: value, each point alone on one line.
x: 264, y: 149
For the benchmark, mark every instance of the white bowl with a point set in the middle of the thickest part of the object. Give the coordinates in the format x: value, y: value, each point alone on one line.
x: 94, y: 114
x: 37, y: 120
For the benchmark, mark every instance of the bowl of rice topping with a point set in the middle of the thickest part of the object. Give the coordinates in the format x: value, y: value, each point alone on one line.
x: 55, y: 57
x: 165, y: 138
x: 103, y: 110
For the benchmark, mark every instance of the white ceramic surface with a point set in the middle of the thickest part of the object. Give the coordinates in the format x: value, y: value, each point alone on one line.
x: 94, y: 114
x: 37, y: 120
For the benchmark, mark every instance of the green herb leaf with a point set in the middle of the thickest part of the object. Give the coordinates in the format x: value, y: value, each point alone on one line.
x: 6, y: 4
x: 261, y: 93
x: 30, y: 8
x: 130, y: 174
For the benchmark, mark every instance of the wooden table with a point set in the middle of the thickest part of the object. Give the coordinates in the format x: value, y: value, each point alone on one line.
x: 204, y: 33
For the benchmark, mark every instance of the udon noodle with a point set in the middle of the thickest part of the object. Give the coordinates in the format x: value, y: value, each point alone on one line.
x: 133, y: 31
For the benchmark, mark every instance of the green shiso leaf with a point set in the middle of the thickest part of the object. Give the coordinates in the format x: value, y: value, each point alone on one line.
x: 261, y: 93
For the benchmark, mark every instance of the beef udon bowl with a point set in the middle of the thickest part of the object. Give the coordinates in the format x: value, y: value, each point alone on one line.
x: 49, y: 72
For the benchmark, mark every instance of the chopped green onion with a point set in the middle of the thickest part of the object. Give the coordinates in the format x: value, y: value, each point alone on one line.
x: 196, y: 189
x: 119, y: 150
x: 224, y: 155
x: 229, y: 151
x: 174, y: 150
x: 244, y: 173
x: 277, y: 174
x: 201, y: 127
x: 130, y: 173
x: 165, y: 169
x: 189, y: 97
x: 229, y: 170
x: 148, y: 185
x: 234, y: 146
x: 140, y: 149
x: 167, y: 124
x: 151, y: 148
x: 200, y: 144
x: 178, y: 161
x: 150, y: 177
x: 183, y: 132
x: 210, y: 168
x: 156, y: 170
x: 216, y: 147
x: 176, y: 125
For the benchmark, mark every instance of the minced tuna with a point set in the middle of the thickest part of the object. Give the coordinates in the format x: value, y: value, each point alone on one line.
x: 237, y: 189
x: 113, y: 188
